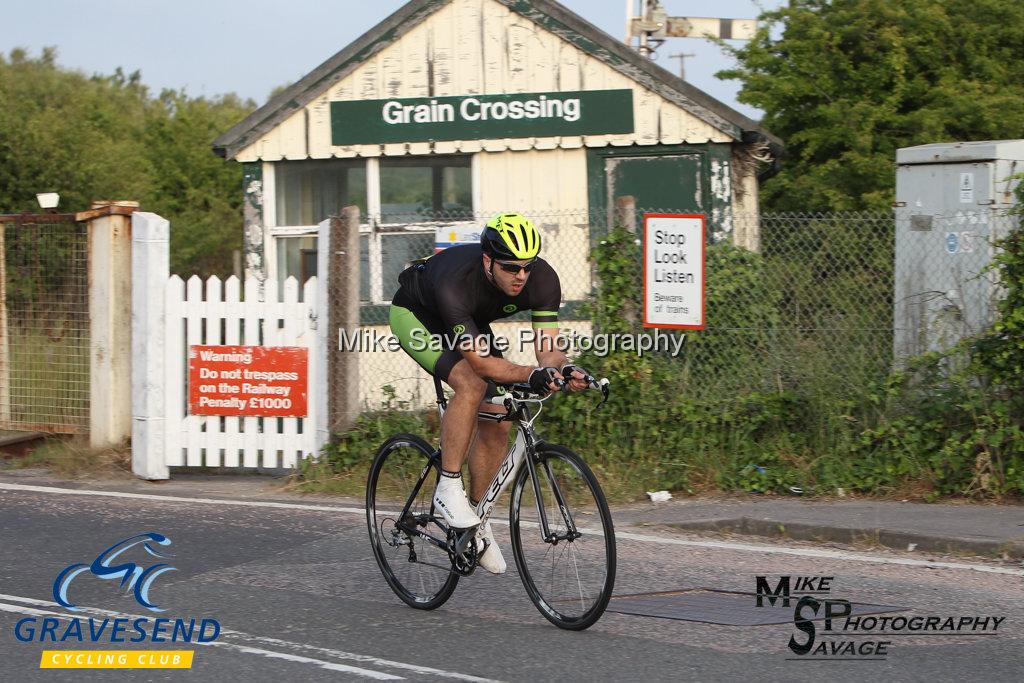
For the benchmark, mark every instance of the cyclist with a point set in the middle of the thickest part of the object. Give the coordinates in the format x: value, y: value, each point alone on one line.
x: 441, y: 315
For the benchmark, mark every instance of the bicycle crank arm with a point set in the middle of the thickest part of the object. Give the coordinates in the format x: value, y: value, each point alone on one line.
x: 463, y: 540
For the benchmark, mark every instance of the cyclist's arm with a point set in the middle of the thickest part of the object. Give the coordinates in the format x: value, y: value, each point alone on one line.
x: 546, y: 298
x: 494, y: 368
x: 546, y: 347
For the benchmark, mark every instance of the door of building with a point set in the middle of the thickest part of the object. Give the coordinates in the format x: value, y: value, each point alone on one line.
x: 657, y: 183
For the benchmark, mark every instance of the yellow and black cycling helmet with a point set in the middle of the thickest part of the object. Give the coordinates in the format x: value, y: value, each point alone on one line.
x: 510, y: 236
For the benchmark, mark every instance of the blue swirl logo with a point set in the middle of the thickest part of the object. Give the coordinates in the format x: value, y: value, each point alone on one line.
x: 134, y: 577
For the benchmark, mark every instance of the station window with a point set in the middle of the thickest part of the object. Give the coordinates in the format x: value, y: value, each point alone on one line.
x: 310, y: 191
x: 416, y: 194
x: 432, y: 188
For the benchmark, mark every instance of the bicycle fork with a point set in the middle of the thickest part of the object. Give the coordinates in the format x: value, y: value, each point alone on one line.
x: 515, y: 458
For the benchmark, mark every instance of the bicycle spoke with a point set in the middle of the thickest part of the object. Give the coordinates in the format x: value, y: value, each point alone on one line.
x: 400, y: 487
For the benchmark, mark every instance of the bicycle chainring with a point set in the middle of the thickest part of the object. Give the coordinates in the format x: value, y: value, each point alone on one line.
x: 463, y: 563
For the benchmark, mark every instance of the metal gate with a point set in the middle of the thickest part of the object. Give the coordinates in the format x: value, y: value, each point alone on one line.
x: 44, y: 323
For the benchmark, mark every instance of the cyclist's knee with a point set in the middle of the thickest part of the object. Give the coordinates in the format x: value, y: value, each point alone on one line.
x: 466, y: 382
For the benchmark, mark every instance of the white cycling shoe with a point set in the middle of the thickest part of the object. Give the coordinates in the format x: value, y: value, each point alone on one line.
x: 450, y: 500
x: 490, y: 556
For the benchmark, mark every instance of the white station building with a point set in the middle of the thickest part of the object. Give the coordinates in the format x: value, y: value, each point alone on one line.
x: 451, y: 110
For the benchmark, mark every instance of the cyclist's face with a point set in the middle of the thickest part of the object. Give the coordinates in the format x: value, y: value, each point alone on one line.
x: 510, y: 283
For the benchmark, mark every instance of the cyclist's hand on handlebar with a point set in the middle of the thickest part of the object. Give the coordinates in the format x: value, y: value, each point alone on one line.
x: 578, y: 378
x: 545, y: 380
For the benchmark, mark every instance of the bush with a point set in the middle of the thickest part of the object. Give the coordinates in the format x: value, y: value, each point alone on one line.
x: 344, y: 463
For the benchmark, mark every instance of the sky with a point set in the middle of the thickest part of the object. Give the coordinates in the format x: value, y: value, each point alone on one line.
x: 212, y: 47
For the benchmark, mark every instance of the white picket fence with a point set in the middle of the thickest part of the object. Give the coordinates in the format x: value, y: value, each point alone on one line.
x: 168, y: 317
x: 221, y: 316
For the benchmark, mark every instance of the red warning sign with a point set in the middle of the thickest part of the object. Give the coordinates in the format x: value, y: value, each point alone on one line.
x: 250, y: 381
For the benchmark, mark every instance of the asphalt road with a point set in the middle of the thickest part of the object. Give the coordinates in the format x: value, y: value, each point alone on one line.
x: 298, y: 596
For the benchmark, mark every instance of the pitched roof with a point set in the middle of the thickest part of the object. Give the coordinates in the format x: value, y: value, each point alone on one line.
x: 548, y: 14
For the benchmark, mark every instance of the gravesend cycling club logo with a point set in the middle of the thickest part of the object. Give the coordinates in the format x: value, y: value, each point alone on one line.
x: 131, y: 565
x: 509, y: 308
x: 855, y: 631
x: 133, y: 577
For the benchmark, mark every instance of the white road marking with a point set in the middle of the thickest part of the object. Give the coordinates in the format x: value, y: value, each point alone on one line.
x: 179, y: 499
x: 625, y: 535
x: 250, y: 638
x: 332, y: 666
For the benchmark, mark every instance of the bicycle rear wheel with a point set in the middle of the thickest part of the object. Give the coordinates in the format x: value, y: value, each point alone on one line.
x: 570, y: 575
x: 399, y: 517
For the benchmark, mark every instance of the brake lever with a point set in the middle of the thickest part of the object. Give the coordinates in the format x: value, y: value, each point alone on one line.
x: 603, y: 385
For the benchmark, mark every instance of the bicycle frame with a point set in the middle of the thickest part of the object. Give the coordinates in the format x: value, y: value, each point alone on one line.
x: 525, y: 444
x: 570, y: 585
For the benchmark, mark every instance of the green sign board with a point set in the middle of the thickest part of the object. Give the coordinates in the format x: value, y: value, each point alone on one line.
x: 482, y: 117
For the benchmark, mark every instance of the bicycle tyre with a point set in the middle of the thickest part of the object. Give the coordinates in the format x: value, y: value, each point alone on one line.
x: 579, y: 601
x: 397, y: 467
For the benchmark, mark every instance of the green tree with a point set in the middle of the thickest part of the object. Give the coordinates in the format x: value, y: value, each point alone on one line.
x: 197, y: 191
x: 106, y: 137
x: 62, y: 131
x: 846, y: 82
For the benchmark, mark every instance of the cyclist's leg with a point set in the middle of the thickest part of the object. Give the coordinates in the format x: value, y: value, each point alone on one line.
x: 459, y: 422
x: 485, y: 455
x: 491, y: 442
x: 415, y: 331
x: 487, y: 452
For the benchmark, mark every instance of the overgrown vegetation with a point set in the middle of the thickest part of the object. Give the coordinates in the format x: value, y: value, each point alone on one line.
x: 73, y: 458
x: 949, y: 424
x: 344, y: 463
x: 733, y: 414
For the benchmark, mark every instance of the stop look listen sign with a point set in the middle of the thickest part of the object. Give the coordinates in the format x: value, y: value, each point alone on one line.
x: 674, y: 270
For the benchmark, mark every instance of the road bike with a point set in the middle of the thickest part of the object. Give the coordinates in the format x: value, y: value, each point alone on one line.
x: 563, y: 540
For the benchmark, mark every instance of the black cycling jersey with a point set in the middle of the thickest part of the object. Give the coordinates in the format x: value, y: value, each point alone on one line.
x: 453, y: 286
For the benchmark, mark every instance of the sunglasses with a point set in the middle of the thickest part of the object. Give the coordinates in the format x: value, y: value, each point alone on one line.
x: 514, y: 268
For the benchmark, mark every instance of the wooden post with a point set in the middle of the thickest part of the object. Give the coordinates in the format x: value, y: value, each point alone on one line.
x: 342, y: 306
x: 110, y: 288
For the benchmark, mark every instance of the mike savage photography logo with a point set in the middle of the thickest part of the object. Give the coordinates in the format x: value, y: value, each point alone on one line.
x: 827, y: 629
x: 126, y: 566
x: 571, y: 341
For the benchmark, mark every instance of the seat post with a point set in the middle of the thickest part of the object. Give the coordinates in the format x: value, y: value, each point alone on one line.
x: 442, y: 402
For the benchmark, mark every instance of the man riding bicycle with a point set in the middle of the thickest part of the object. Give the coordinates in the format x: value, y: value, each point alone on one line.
x: 441, y: 315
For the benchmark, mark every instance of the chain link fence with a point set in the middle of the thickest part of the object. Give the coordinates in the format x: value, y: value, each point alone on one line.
x: 826, y: 303
x: 44, y: 324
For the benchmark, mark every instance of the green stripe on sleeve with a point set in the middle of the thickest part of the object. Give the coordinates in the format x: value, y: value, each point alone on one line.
x: 545, y: 326
x: 544, y: 313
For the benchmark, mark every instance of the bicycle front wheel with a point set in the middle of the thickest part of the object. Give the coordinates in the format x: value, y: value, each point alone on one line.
x: 403, y: 529
x: 569, y: 573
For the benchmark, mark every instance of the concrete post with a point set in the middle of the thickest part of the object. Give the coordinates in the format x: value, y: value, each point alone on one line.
x: 149, y: 273
x: 109, y: 235
x: 324, y: 337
